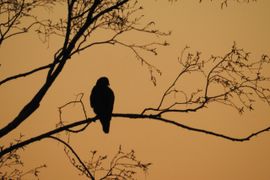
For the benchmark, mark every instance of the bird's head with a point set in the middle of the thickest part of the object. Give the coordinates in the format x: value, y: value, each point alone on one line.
x: 103, y: 81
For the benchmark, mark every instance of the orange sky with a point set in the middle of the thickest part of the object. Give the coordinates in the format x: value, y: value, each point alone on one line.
x: 174, y: 152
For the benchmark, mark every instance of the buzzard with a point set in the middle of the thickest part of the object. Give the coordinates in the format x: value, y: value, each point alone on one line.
x: 102, y: 100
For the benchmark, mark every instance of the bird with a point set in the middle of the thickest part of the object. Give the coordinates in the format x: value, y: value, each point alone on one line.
x: 102, y: 101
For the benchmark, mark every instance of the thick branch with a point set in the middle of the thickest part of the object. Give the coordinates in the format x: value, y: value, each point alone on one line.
x: 131, y: 116
x: 25, y: 73
x: 34, y: 103
x: 45, y: 135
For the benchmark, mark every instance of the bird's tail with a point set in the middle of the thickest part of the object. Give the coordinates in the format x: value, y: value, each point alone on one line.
x: 105, y: 122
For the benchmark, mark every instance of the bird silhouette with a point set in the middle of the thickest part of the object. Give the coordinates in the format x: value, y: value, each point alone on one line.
x: 102, y: 100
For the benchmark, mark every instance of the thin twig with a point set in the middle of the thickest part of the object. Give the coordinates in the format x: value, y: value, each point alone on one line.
x: 75, y: 154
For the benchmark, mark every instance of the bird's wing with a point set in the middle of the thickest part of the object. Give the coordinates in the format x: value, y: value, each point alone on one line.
x: 93, y: 97
x: 110, y: 99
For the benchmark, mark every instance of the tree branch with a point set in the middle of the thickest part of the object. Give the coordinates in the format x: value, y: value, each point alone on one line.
x: 17, y: 17
x: 234, y: 80
x: 75, y: 154
x: 25, y: 73
x: 130, y: 116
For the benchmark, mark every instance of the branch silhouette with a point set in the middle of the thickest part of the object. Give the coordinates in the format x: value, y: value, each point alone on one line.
x: 130, y: 116
x: 11, y: 165
x: 25, y: 74
x: 17, y: 17
x: 233, y: 80
x: 122, y: 165
x: 75, y: 154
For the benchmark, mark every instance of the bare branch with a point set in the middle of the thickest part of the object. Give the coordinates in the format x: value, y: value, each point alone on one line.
x: 234, y: 80
x: 25, y: 74
x: 77, y: 101
x: 123, y: 165
x: 130, y: 116
x: 14, y: 13
x: 11, y: 165
x: 75, y: 154
x: 224, y: 3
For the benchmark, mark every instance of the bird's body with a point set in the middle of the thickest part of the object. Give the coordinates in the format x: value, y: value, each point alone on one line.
x: 102, y: 100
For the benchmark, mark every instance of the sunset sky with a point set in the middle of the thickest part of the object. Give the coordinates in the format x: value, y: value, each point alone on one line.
x: 174, y: 152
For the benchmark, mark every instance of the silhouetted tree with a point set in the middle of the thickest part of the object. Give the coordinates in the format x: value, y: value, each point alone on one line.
x: 240, y: 80
x: 84, y: 18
